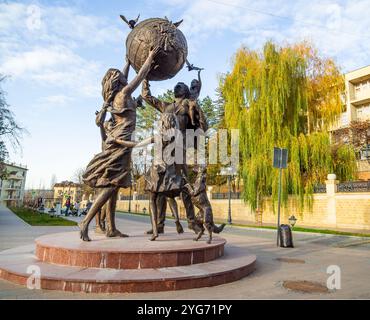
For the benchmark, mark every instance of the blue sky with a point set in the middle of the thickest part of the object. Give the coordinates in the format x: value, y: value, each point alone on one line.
x: 56, y: 52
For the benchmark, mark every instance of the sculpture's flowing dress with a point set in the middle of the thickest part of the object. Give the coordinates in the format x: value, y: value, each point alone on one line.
x: 111, y: 167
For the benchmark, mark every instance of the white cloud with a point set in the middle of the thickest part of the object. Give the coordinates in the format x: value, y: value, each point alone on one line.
x: 337, y: 28
x: 39, y: 59
x: 63, y: 25
x: 55, y: 66
x: 49, y: 51
x: 58, y: 100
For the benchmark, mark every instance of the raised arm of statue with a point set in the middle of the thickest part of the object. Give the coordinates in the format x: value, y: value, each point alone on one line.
x: 144, y: 70
x: 148, y: 98
x: 99, y: 120
x: 126, y: 68
x: 200, y: 80
x: 103, y: 133
x: 130, y: 144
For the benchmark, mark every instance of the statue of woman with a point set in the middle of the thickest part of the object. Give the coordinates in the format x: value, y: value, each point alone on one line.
x: 110, y: 169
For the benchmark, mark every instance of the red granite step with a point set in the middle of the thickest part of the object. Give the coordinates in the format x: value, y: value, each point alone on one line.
x: 135, y: 252
x: 234, y: 265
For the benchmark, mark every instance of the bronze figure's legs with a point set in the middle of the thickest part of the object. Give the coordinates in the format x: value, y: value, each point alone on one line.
x: 102, y: 198
x: 161, y: 204
x: 100, y: 220
x: 189, y: 208
x: 161, y: 215
x: 208, y: 221
x: 111, y: 221
x: 154, y: 215
x: 173, y: 205
x: 161, y: 210
x: 200, y: 216
x: 206, y: 217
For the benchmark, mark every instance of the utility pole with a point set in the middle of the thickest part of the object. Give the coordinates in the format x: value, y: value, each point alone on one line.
x: 280, y: 161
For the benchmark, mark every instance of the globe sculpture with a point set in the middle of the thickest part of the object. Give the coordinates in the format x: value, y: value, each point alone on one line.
x: 157, y: 32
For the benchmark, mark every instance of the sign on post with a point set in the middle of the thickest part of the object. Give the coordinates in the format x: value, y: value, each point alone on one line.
x: 280, y: 158
x: 281, y: 162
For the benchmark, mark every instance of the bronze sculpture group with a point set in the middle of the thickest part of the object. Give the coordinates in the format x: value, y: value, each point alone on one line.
x: 160, y: 52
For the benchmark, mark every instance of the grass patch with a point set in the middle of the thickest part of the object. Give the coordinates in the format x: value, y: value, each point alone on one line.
x: 35, y: 218
x: 299, y: 229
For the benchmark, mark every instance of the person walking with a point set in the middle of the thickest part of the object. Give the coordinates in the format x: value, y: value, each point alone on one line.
x: 76, y: 207
x: 68, y: 205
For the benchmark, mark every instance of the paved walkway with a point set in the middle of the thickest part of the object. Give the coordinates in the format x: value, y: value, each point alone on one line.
x: 15, y: 232
x: 318, y: 251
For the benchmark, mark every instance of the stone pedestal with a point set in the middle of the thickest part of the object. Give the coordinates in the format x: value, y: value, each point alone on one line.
x: 134, y: 264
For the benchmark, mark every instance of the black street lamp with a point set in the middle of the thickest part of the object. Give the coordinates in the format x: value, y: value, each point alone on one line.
x: 129, y: 200
x: 229, y: 172
x: 292, y: 220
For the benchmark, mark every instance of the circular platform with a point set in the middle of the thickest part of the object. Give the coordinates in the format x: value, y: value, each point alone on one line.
x: 119, y: 271
x: 135, y: 252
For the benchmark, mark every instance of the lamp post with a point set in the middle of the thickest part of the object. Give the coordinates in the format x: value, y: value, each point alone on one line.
x: 129, y: 200
x: 292, y: 220
x: 280, y: 161
x: 229, y: 173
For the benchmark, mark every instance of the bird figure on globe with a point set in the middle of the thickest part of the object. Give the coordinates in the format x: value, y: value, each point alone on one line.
x: 130, y: 23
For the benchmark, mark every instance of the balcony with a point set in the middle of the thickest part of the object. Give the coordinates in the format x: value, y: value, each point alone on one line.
x: 13, y: 198
x: 363, y: 112
x: 361, y: 100
x: 13, y: 188
x: 342, y: 122
x: 361, y: 93
x: 15, y: 177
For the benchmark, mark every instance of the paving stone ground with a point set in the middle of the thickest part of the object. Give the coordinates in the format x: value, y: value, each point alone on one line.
x: 318, y: 251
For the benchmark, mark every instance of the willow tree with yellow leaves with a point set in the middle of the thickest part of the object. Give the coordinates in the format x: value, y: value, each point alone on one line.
x: 286, y: 97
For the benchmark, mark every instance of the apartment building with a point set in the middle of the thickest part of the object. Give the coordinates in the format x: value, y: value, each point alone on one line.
x: 357, y: 101
x: 66, y: 189
x: 13, y: 184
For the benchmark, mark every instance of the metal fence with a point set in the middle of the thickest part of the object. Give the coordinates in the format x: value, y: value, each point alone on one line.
x: 319, y: 188
x: 142, y: 197
x: 125, y: 198
x: 138, y: 197
x: 354, y: 186
x: 218, y: 196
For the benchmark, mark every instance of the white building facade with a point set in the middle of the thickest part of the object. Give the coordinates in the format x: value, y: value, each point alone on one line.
x: 12, y: 185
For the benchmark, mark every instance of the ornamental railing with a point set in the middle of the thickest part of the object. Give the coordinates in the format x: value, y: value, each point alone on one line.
x: 354, y: 186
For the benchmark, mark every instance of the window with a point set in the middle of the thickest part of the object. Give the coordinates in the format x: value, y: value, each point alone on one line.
x: 361, y: 88
x: 365, y: 153
x: 363, y: 112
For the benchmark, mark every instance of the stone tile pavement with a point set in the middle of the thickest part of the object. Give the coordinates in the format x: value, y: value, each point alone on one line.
x: 351, y: 254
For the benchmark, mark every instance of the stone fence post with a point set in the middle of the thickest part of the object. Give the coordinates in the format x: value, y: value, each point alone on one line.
x: 331, y: 190
x: 209, y: 192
